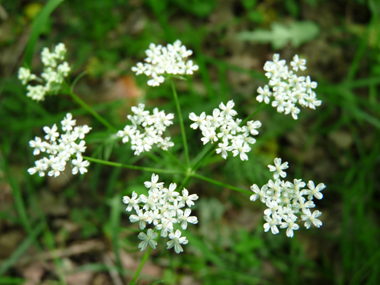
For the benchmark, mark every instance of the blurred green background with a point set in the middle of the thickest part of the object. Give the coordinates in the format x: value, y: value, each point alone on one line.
x: 74, y: 230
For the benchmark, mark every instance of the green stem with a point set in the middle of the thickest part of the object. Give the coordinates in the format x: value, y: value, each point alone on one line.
x: 181, y: 123
x: 184, y: 182
x: 204, y: 157
x: 175, y: 159
x: 221, y: 183
x: 252, y: 114
x: 147, y: 169
x: 92, y: 112
x: 142, y: 262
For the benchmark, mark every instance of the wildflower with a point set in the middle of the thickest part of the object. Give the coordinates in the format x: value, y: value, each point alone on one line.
x: 53, y: 75
x: 147, y: 239
x: 153, y: 125
x: 288, y: 89
x: 176, y: 241
x: 285, y: 200
x: 161, y: 61
x: 222, y: 126
x: 278, y: 168
x: 161, y: 209
x: 61, y: 148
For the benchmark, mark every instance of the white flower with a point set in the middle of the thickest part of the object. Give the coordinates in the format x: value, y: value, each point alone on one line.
x: 153, y: 185
x: 153, y: 125
x: 25, y: 76
x: 184, y: 218
x: 68, y: 122
x: 162, y: 208
x: 61, y: 148
x: 187, y: 199
x: 176, y: 241
x: 310, y: 218
x: 271, y: 224
x: 278, y: 168
x: 259, y: 193
x: 314, y: 191
x: 241, y: 148
x: 227, y: 110
x: 51, y: 133
x: 285, y: 201
x: 288, y: 89
x: 165, y: 60
x: 290, y: 227
x: 80, y: 165
x: 38, y: 145
x: 53, y: 75
x: 199, y: 121
x: 132, y: 202
x: 141, y: 217
x: 265, y: 94
x: 298, y: 63
x: 147, y: 239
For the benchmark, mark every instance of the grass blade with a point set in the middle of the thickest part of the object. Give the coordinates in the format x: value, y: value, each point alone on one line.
x: 37, y: 27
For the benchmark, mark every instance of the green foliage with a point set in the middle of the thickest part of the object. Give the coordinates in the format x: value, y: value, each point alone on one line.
x: 297, y: 33
x: 229, y: 245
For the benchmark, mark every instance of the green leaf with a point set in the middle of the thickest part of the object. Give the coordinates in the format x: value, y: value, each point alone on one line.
x: 37, y: 28
x: 296, y: 33
x: 21, y: 249
x: 8, y: 280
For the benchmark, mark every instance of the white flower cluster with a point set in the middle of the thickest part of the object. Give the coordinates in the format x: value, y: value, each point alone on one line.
x: 153, y: 125
x: 221, y: 126
x: 163, y: 208
x: 61, y: 148
x: 288, y: 89
x: 170, y: 60
x: 285, y: 200
x: 55, y: 71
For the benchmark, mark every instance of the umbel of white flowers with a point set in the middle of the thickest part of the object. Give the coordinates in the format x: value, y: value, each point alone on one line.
x: 55, y: 71
x: 163, y: 208
x: 285, y: 200
x: 286, y: 88
x: 153, y: 127
x: 160, y: 61
x: 61, y: 148
x: 221, y: 126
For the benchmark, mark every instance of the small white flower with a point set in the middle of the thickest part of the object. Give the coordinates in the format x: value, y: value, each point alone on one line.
x: 39, y: 146
x: 147, y: 239
x: 153, y: 185
x: 314, y: 191
x: 227, y: 110
x: 176, y: 241
x: 51, y: 133
x: 80, y: 165
x: 188, y: 199
x: 184, y: 218
x: 132, y: 202
x: 311, y: 218
x: 278, y: 168
x: 271, y: 224
x: 298, y: 63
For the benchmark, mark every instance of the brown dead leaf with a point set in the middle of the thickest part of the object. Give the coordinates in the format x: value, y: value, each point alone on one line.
x: 33, y: 273
x: 82, y: 278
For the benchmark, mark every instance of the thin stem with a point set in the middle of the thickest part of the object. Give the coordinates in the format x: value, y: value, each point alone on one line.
x: 204, y: 157
x: 220, y: 183
x: 252, y: 114
x: 92, y: 112
x: 142, y: 262
x: 147, y: 169
x: 184, y: 182
x: 181, y: 123
x: 175, y: 159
